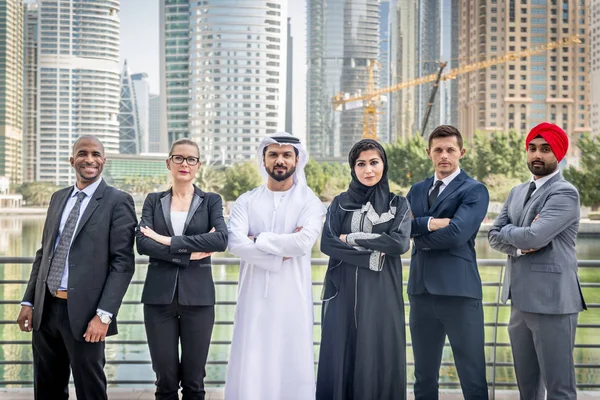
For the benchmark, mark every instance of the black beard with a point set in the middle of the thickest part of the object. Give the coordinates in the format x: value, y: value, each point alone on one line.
x: 544, y: 170
x: 283, y: 177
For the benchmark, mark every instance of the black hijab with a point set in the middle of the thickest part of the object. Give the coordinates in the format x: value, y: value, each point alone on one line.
x: 358, y: 194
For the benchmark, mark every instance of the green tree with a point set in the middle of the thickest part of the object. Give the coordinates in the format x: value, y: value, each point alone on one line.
x: 37, y: 193
x: 210, y: 179
x: 407, y: 161
x: 315, y: 176
x: 587, y: 177
x: 496, y: 153
x: 240, y: 178
x: 142, y: 184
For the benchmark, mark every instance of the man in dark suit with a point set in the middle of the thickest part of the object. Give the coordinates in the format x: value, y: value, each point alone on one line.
x: 78, y: 279
x: 444, y: 286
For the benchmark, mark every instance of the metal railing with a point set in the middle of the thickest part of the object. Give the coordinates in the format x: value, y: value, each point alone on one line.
x: 493, y: 364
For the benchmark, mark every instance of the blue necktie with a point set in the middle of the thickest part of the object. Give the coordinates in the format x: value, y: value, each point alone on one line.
x: 434, y: 193
x: 57, y: 266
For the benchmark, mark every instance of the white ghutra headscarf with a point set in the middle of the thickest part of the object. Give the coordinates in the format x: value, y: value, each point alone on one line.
x: 284, y: 138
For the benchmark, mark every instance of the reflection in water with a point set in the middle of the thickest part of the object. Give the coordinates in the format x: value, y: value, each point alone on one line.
x: 22, y: 236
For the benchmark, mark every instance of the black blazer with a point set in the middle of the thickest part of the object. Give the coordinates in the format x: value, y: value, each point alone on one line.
x: 101, y: 257
x: 444, y: 261
x: 170, y: 266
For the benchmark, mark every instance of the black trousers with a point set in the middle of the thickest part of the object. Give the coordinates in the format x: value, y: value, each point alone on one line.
x: 56, y: 353
x: 166, y: 326
x: 461, y: 319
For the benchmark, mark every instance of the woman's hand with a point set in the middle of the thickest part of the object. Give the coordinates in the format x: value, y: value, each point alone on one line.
x: 343, y: 238
x: 164, y: 240
x: 199, y: 255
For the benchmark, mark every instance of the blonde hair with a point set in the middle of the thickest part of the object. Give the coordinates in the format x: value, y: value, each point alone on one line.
x: 184, y: 141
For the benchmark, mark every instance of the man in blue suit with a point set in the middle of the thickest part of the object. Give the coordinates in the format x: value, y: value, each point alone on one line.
x: 444, y: 286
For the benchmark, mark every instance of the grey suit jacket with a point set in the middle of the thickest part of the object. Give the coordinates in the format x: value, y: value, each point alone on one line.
x: 544, y: 281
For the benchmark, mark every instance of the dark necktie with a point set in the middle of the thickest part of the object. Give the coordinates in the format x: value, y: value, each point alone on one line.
x: 57, y: 266
x: 529, y: 192
x: 434, y: 193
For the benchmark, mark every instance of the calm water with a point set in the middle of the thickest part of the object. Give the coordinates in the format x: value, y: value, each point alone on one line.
x: 20, y: 236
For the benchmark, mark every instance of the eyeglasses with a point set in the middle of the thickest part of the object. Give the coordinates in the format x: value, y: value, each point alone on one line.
x: 180, y: 159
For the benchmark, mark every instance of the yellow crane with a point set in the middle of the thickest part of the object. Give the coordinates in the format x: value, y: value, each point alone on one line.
x: 372, y: 99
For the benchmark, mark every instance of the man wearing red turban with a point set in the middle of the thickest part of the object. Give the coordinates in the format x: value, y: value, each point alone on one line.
x: 537, y: 228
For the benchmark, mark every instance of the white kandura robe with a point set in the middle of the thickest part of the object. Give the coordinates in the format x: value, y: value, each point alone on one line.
x: 272, y: 355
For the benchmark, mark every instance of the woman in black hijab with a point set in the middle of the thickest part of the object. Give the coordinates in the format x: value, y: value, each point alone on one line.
x: 363, y: 340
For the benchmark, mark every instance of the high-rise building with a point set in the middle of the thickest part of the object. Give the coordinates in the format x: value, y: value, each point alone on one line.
x: 428, y: 59
x: 448, y: 90
x: 551, y: 86
x: 78, y: 81
x: 342, y: 39
x: 595, y: 65
x: 30, y: 92
x: 11, y: 92
x: 154, y: 123
x: 129, y: 125
x: 134, y: 111
x: 437, y: 43
x: 174, y: 48
x: 141, y: 89
x: 385, y: 40
x: 289, y: 77
x: 223, y: 73
x: 404, y: 67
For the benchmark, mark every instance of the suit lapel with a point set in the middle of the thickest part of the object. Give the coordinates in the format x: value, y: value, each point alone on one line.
x: 451, y: 188
x: 165, y: 203
x: 91, y: 207
x: 196, y: 201
x: 425, y: 198
x: 545, y: 187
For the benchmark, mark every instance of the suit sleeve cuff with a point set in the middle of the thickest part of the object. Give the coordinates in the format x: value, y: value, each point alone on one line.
x: 177, y: 246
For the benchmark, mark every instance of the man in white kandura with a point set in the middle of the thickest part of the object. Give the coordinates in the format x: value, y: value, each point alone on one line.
x: 273, y: 229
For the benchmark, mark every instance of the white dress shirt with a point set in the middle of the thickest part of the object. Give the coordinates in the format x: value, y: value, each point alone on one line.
x: 445, y: 182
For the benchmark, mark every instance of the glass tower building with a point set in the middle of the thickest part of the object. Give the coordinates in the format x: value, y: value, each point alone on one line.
x: 223, y: 71
x: 11, y: 89
x: 78, y: 81
x: 343, y: 37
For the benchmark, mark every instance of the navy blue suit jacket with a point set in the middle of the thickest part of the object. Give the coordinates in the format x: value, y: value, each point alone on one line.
x: 443, y: 262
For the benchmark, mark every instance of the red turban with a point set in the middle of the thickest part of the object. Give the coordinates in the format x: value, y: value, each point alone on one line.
x: 554, y: 135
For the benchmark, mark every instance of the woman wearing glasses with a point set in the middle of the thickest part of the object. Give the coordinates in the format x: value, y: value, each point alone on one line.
x: 179, y: 230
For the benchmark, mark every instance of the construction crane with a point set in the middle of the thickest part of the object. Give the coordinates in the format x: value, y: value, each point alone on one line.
x: 373, y: 97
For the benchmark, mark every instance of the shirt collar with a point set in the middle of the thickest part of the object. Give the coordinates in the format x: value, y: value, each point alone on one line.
x: 88, y: 190
x: 540, y: 182
x: 446, y: 181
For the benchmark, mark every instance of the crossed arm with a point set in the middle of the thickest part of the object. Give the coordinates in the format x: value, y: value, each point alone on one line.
x: 560, y: 210
x: 462, y: 226
x: 270, y: 249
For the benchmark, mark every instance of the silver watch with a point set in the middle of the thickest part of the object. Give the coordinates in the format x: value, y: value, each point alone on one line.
x: 104, y: 318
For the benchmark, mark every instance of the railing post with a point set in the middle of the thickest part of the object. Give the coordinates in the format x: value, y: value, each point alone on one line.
x: 495, y: 345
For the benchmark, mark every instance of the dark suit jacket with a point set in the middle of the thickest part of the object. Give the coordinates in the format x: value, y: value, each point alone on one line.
x: 444, y: 262
x: 101, y: 258
x: 171, y: 265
